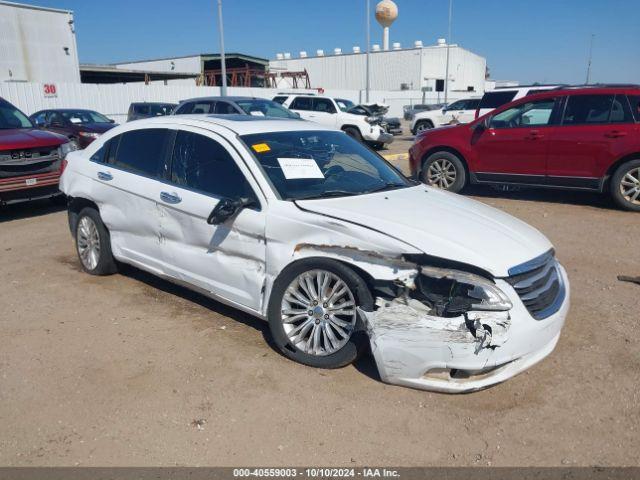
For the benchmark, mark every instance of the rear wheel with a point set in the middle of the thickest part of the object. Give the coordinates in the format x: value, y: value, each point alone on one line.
x: 625, y: 185
x: 353, y: 132
x: 313, y: 313
x: 93, y: 244
x: 444, y: 170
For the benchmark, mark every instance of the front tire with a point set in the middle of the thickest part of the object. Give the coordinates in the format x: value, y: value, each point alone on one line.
x: 93, y: 244
x: 422, y: 126
x: 625, y: 185
x: 354, y: 133
x: 444, y: 170
x: 313, y: 313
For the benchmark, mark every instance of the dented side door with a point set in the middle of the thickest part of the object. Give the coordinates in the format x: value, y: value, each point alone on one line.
x: 227, y: 260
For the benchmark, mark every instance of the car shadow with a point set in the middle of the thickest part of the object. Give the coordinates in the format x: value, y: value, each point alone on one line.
x: 572, y: 197
x: 165, y: 286
x: 31, y: 209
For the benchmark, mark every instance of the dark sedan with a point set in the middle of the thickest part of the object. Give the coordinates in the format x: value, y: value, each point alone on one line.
x: 81, y: 127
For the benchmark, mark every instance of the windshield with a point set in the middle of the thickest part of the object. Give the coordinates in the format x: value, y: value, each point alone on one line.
x: 320, y: 164
x: 84, y: 116
x: 11, y: 117
x: 344, y: 105
x: 265, y: 108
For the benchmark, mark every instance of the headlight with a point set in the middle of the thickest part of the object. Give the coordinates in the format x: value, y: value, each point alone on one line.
x: 373, y: 120
x: 65, y: 148
x: 467, y: 291
x: 89, y: 135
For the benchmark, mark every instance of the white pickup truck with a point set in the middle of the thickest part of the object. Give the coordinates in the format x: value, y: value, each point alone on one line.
x: 332, y: 112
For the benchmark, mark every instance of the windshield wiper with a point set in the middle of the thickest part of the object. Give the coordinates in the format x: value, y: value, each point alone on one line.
x: 329, y: 193
x: 386, y: 186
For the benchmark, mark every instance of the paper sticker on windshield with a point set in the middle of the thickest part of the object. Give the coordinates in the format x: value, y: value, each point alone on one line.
x: 261, y: 147
x: 257, y: 113
x: 296, y: 168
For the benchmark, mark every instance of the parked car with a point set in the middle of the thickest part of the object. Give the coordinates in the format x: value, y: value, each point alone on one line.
x: 31, y: 160
x: 585, y: 138
x: 411, y: 110
x: 309, y: 229
x: 503, y: 95
x: 140, y: 110
x: 333, y: 112
x: 81, y: 127
x: 462, y: 111
x: 258, y: 107
x: 391, y: 125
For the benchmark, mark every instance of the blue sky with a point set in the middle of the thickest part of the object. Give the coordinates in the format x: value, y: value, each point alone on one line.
x: 544, y: 40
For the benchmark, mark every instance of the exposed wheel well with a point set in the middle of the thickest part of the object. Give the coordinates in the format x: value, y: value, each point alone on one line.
x: 433, y: 150
x: 75, y: 206
x: 611, y: 170
x: 425, y: 120
x: 344, y: 127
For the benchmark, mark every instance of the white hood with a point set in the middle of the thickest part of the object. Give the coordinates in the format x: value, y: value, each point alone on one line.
x: 441, y: 224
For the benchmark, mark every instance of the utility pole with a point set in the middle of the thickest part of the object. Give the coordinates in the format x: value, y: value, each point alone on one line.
x: 446, y: 75
x: 368, y: 48
x: 589, y: 61
x: 223, y: 62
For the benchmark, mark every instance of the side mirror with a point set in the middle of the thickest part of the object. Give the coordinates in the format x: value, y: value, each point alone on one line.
x: 227, y: 208
x: 111, y: 120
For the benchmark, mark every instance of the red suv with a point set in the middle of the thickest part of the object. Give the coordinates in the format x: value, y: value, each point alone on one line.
x: 31, y: 160
x: 585, y: 138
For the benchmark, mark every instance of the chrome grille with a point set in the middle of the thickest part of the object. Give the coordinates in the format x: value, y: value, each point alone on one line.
x: 539, y: 285
x: 32, y: 161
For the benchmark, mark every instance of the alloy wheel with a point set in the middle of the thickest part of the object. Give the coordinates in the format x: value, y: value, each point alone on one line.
x: 441, y: 173
x: 88, y: 240
x: 318, y: 312
x: 630, y: 186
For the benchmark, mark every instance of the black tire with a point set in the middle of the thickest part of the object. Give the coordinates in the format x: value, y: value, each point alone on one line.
x: 106, y: 264
x: 358, y: 340
x: 446, y: 158
x: 353, y: 132
x: 632, y: 168
x: 422, y: 126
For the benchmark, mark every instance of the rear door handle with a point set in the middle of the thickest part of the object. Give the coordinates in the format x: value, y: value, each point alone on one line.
x: 170, y: 198
x: 615, y: 134
x: 105, y: 176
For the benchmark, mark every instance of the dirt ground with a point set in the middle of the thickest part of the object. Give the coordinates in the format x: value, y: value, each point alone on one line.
x: 131, y: 370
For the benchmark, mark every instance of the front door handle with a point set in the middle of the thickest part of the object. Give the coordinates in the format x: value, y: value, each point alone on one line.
x: 615, y: 134
x: 534, y: 135
x: 171, y: 198
x: 105, y: 176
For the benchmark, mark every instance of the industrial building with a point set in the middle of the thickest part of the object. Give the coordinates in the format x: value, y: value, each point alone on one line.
x: 37, y: 44
x: 416, y: 68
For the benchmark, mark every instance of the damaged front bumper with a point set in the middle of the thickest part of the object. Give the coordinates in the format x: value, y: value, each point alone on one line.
x: 461, y: 354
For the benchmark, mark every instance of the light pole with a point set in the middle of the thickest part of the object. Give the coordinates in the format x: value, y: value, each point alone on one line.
x: 589, y: 61
x: 446, y: 75
x: 368, y: 48
x: 223, y: 89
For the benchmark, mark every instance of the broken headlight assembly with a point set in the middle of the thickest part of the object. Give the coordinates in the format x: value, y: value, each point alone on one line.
x: 453, y: 292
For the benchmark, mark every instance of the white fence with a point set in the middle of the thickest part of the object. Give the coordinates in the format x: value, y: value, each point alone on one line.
x: 113, y: 100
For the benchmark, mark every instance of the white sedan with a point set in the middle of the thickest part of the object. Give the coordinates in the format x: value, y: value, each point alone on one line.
x: 309, y: 229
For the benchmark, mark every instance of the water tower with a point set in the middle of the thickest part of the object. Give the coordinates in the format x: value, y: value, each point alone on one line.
x: 386, y: 14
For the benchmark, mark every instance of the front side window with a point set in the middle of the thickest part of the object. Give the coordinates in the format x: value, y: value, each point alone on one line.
x: 200, y: 163
x: 225, y: 108
x: 317, y: 164
x: 323, y: 105
x: 345, y: 105
x: 587, y: 109
x: 459, y: 105
x: 142, y: 151
x: 530, y: 114
x: 302, y: 103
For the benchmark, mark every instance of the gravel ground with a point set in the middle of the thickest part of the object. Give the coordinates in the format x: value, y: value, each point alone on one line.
x: 131, y: 370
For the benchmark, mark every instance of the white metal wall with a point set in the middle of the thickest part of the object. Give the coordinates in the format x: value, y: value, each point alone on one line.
x: 114, y: 100
x: 33, y: 42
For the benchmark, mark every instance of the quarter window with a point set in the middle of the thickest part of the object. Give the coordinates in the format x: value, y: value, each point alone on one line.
x: 530, y: 114
x: 142, y: 151
x: 202, y: 164
x: 634, y: 101
x: 587, y: 109
x: 620, y: 111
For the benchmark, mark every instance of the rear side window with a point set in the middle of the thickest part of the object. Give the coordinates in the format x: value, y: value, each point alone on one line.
x: 634, y: 101
x: 496, y: 99
x: 184, y: 109
x: 143, y: 151
x: 587, y: 109
x: 301, y: 103
x: 280, y: 99
x: 202, y: 164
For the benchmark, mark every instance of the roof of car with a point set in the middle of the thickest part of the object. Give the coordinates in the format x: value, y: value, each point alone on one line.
x: 239, y: 124
x: 228, y: 99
